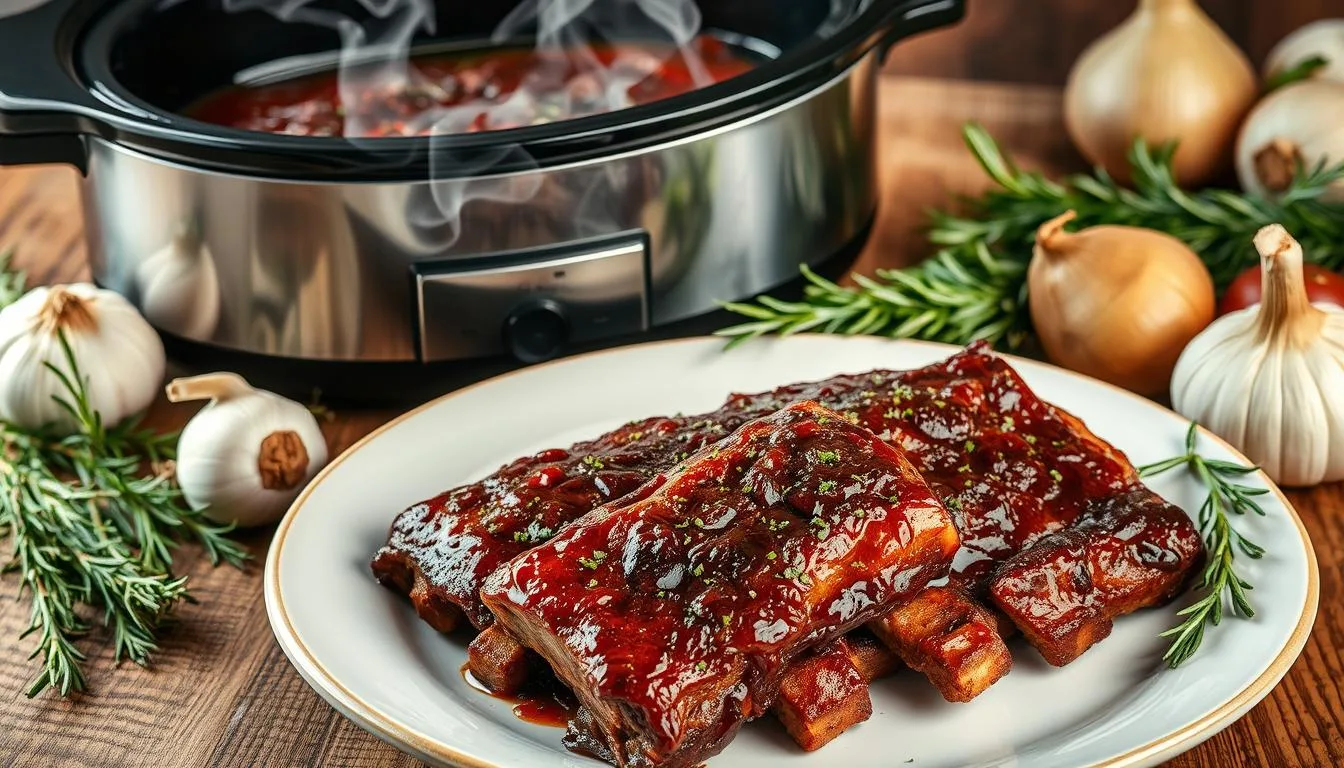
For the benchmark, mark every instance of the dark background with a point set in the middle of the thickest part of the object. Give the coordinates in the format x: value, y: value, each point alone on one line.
x: 1036, y: 41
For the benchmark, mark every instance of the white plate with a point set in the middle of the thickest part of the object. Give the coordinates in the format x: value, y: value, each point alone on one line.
x: 363, y: 649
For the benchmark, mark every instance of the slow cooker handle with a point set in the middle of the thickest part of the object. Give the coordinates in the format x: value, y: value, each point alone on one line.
x: 911, y: 17
x: 44, y: 110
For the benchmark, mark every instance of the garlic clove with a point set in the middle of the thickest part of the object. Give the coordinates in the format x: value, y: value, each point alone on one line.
x: 1323, y: 38
x: 1302, y: 124
x: 245, y: 457
x: 1270, y: 378
x: 120, y: 357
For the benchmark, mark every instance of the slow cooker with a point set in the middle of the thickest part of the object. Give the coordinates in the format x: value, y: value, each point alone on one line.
x: 502, y: 246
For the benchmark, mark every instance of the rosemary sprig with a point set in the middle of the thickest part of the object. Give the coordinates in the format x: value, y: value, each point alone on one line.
x: 947, y: 298
x: 1217, y: 224
x: 87, y: 527
x: 1221, y: 541
x: 974, y: 287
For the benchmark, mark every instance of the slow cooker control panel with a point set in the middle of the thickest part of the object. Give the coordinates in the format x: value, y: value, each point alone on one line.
x: 534, y: 304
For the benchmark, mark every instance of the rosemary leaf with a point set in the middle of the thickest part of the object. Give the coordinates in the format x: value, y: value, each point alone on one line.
x: 1303, y: 70
x: 1219, y: 579
x: 86, y: 525
x: 974, y: 287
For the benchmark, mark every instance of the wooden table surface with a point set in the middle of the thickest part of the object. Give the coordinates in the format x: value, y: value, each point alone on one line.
x: 223, y: 694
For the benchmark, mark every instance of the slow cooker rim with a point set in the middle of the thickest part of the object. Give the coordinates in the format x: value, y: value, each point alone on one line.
x: 152, y: 130
x: 624, y: 153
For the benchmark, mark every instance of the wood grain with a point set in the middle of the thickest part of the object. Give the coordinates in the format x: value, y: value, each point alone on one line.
x: 222, y: 693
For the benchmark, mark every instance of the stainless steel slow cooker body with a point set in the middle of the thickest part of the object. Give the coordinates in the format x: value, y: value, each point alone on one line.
x: 448, y: 249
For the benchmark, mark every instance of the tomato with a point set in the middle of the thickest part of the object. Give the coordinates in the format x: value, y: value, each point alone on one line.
x: 1322, y: 286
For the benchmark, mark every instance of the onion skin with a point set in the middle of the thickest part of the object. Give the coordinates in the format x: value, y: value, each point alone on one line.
x: 1117, y: 303
x: 1167, y: 73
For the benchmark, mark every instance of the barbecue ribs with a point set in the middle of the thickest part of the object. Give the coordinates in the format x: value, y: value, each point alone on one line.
x: 672, y: 613
x: 1013, y: 469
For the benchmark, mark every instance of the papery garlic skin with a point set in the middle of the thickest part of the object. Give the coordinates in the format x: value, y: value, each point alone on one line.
x: 231, y: 455
x: 1274, y: 390
x: 1300, y: 124
x: 1323, y: 38
x: 120, y: 356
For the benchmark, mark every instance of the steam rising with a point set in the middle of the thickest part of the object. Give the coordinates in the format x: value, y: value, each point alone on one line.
x: 378, y: 80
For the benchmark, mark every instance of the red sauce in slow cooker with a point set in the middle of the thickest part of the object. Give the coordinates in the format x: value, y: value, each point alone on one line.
x: 477, y: 91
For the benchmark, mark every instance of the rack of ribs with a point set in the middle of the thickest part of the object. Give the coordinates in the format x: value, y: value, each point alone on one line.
x: 1017, y: 473
x: 673, y: 612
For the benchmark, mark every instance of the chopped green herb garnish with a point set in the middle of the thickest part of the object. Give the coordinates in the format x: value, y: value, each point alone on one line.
x: 1059, y: 477
x: 953, y: 504
x: 593, y: 462
x: 860, y: 513
x: 770, y: 555
x: 1031, y: 439
x: 826, y: 486
x: 829, y: 458
x: 1008, y: 424
x: 701, y: 666
x: 970, y: 446
x: 940, y: 403
x: 727, y: 619
x: 699, y: 523
x: 698, y: 570
x: 592, y: 583
x: 591, y: 563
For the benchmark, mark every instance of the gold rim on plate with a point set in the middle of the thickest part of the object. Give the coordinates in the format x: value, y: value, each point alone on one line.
x: 389, y: 729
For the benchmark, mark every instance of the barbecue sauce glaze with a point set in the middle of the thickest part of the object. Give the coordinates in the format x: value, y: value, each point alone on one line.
x: 1010, y: 468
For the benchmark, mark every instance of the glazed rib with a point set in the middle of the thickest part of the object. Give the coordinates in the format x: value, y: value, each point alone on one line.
x: 1012, y: 468
x: 673, y: 613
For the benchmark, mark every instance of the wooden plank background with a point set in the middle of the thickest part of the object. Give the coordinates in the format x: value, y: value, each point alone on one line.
x: 1036, y: 41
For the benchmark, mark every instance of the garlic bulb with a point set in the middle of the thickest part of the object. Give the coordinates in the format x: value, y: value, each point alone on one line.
x: 1270, y: 378
x: 245, y: 457
x: 1117, y: 303
x: 1324, y: 39
x: 1301, y: 123
x: 1166, y: 73
x: 119, y: 356
x: 179, y: 288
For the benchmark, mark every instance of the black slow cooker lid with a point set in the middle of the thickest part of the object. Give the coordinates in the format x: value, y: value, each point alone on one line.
x: 121, y: 70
